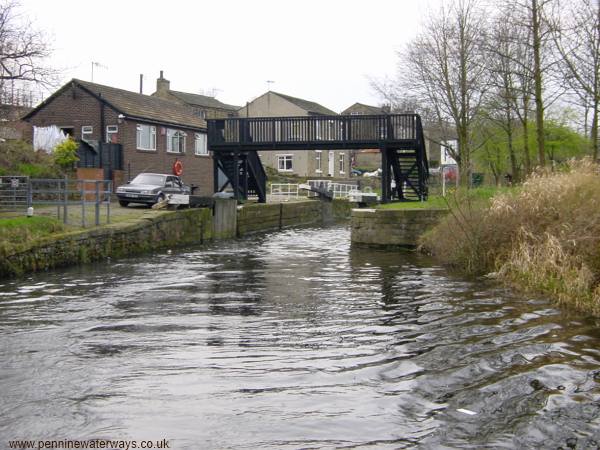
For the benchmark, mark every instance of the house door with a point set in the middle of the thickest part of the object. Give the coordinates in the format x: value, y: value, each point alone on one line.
x: 331, y: 171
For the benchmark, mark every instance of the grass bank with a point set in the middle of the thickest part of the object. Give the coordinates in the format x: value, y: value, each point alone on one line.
x: 477, y: 195
x: 19, y: 232
x: 16, y: 231
x: 543, y: 237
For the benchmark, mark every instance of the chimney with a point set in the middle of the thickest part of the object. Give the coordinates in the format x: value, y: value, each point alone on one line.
x: 162, y: 86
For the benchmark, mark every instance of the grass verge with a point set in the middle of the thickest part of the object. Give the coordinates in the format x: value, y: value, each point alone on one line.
x: 18, y: 230
x: 454, y: 197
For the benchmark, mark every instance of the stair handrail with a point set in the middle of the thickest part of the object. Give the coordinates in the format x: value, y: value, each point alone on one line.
x: 255, y: 164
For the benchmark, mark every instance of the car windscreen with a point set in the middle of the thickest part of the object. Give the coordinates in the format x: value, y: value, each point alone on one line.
x: 148, y: 178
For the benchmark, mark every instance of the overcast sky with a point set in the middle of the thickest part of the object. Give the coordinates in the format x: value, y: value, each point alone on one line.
x: 324, y: 51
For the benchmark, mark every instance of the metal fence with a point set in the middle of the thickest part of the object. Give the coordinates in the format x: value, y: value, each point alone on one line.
x: 74, y: 202
x: 15, y: 193
x: 284, y: 191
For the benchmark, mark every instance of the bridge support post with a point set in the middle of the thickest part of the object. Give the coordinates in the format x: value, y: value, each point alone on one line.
x: 215, y: 174
x: 245, y: 177
x: 236, y: 176
x: 385, y: 175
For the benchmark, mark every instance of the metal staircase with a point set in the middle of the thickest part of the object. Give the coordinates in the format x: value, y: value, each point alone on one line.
x: 243, y: 173
x: 407, y: 169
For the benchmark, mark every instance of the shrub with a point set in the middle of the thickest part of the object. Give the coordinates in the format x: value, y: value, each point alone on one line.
x: 36, y: 170
x: 19, y: 158
x: 65, y: 154
x: 544, y: 236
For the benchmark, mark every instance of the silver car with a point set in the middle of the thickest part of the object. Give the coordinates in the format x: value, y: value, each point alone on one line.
x: 150, y: 188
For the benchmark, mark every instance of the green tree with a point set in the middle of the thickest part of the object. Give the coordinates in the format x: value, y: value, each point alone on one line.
x: 65, y: 154
x: 562, y: 142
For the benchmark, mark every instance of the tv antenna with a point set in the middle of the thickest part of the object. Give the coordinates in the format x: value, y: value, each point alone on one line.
x: 99, y: 65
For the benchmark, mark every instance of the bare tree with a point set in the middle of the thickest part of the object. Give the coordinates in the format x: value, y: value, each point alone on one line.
x: 531, y: 17
x: 24, y: 51
x: 445, y: 66
x: 502, y: 107
x: 576, y: 34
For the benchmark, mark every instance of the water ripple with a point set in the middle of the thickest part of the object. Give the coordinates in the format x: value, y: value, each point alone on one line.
x: 293, y: 340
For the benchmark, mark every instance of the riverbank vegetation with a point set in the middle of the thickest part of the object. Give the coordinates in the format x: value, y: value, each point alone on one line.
x: 19, y: 230
x: 454, y: 197
x: 543, y: 236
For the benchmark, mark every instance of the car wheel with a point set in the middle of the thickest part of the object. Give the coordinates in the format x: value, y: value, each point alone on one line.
x: 123, y: 203
x: 160, y: 198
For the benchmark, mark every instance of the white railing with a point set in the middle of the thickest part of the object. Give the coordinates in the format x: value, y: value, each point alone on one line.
x: 342, y: 190
x: 339, y: 190
x: 284, y: 191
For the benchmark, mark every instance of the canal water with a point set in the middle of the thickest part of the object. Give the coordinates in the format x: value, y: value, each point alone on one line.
x: 292, y: 340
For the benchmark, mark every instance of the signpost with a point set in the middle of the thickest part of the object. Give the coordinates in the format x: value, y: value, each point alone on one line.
x: 447, y: 161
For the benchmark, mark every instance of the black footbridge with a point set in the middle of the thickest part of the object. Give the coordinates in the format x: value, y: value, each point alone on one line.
x: 399, y: 137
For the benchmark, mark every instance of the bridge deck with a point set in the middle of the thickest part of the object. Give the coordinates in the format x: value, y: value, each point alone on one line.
x: 314, y: 132
x: 399, y: 137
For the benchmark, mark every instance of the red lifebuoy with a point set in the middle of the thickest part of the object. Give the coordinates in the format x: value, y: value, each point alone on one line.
x: 177, y: 168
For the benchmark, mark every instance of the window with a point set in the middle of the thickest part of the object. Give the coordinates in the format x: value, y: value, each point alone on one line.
x: 111, y: 133
x: 86, y: 130
x: 175, y: 141
x: 284, y: 163
x: 146, y: 137
x: 318, y: 164
x: 200, y: 144
x: 342, y: 163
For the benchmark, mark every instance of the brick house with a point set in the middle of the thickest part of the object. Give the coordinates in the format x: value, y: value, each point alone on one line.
x: 201, y: 106
x: 312, y: 163
x: 11, y: 126
x: 362, y: 109
x: 151, y: 131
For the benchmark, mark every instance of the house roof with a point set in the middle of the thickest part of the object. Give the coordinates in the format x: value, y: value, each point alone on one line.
x: 311, y: 107
x: 202, y: 100
x: 367, y: 108
x: 132, y: 104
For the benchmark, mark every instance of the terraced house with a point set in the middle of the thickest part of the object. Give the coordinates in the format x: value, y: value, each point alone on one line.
x: 316, y: 163
x: 203, y: 106
x: 143, y: 133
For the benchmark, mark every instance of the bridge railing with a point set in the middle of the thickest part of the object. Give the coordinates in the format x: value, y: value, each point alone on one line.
x: 313, y: 129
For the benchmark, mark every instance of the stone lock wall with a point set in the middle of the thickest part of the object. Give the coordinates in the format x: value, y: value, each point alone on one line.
x: 254, y: 218
x: 388, y: 227
x: 156, y: 230
x: 152, y: 231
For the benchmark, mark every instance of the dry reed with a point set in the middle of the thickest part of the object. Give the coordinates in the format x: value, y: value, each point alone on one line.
x: 544, y: 236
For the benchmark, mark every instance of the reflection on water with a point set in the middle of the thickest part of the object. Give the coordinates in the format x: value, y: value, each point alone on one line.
x: 292, y: 340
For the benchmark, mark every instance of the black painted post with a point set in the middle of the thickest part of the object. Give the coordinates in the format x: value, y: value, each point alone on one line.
x: 215, y: 173
x: 385, y: 175
x: 245, y: 179
x: 236, y: 176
